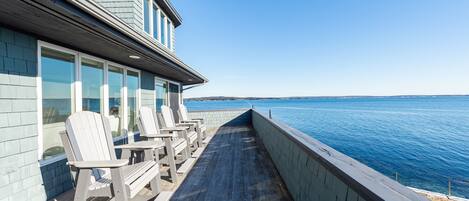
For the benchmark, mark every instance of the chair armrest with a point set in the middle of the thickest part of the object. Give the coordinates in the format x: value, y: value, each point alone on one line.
x: 170, y: 129
x: 161, y: 136
x: 141, y: 144
x: 99, y: 164
x: 185, y: 124
x: 190, y: 121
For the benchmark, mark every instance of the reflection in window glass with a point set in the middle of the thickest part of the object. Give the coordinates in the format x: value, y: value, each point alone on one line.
x: 58, y: 73
x: 163, y: 25
x: 115, y: 82
x: 161, y: 90
x: 155, y: 21
x: 92, y: 76
x: 132, y: 90
x: 146, y: 16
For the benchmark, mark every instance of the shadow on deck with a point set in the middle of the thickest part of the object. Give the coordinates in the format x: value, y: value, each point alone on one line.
x: 233, y: 167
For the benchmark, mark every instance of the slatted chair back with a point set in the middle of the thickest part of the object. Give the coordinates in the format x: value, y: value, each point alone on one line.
x: 148, y: 122
x: 168, y: 116
x: 183, y: 113
x: 89, y: 138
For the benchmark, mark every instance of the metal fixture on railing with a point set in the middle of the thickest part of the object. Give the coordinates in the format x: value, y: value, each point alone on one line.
x: 449, y: 186
x: 452, y: 183
x: 270, y: 113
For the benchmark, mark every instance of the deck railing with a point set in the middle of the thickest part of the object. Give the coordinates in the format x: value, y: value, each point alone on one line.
x: 312, y: 170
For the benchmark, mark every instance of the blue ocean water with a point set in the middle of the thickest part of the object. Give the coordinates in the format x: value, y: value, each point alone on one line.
x: 425, y: 140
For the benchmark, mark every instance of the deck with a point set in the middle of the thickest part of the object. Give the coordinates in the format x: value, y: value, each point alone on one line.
x: 232, y: 167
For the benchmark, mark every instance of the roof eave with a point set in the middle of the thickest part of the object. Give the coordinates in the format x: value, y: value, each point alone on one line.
x: 101, y: 13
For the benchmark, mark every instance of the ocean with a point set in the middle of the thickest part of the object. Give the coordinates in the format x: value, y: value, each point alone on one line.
x: 424, y: 139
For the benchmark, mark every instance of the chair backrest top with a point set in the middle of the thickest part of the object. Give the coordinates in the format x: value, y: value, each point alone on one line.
x: 148, y: 122
x: 168, y: 117
x: 183, y: 112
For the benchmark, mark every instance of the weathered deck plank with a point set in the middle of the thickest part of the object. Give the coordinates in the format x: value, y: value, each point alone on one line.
x: 233, y: 167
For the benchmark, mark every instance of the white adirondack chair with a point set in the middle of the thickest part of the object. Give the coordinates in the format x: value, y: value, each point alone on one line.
x: 190, y: 133
x: 90, y: 152
x: 174, y: 140
x: 184, y: 118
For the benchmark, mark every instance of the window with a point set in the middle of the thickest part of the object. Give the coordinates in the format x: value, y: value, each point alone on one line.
x: 58, y: 75
x: 102, y: 90
x: 163, y: 30
x: 132, y: 98
x: 155, y: 22
x: 92, y: 79
x: 116, y: 83
x: 161, y: 91
x: 168, y: 29
x: 146, y: 16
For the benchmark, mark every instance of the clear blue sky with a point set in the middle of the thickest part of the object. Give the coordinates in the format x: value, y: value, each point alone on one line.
x: 326, y: 47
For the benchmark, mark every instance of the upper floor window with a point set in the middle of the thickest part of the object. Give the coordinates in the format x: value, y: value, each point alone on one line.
x: 146, y: 16
x: 168, y: 30
x: 163, y: 28
x: 155, y: 21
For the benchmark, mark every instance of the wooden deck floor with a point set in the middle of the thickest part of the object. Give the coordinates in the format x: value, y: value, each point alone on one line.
x: 232, y: 167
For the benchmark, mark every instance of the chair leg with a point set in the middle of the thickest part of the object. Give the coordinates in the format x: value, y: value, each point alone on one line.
x: 171, y: 160
x: 83, y: 182
x: 155, y: 185
x: 199, y: 137
x: 118, y: 185
x: 187, y: 151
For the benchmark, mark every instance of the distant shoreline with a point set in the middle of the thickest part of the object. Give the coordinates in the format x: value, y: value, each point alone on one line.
x: 226, y: 98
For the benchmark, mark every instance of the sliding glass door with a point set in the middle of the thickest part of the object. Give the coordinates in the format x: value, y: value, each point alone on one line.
x: 71, y: 82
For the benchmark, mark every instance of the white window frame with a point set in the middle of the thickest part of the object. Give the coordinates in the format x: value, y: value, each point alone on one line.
x: 77, y: 93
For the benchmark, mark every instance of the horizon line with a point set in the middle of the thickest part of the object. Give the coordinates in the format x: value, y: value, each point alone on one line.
x: 325, y: 96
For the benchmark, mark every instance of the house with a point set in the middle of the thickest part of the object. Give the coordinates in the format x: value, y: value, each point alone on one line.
x: 59, y: 57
